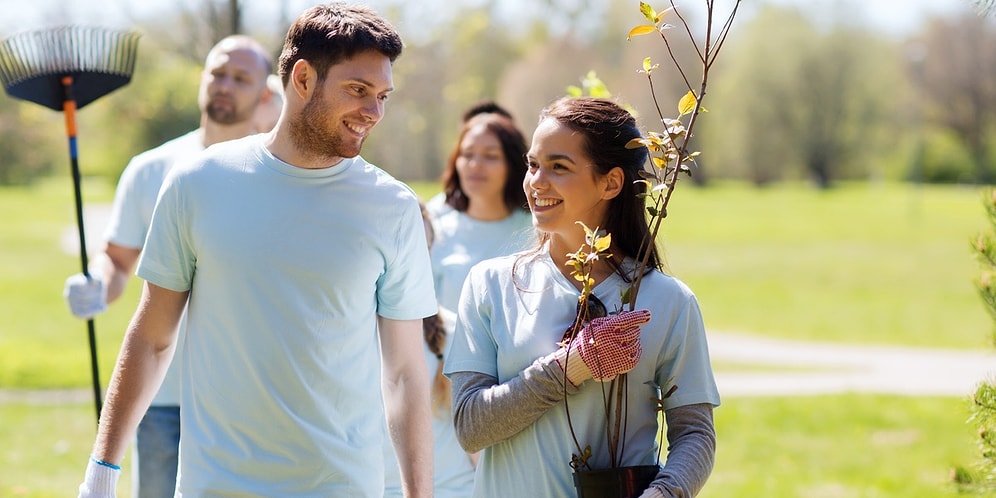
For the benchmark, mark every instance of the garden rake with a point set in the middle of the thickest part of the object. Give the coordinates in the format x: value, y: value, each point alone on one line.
x: 65, y: 68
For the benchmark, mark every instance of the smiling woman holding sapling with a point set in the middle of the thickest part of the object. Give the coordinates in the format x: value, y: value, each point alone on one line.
x: 512, y: 365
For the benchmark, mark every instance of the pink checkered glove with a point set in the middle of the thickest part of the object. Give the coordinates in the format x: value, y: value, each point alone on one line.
x: 607, y: 347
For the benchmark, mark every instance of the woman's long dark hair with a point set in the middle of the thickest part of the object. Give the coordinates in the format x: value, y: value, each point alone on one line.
x: 435, y: 338
x: 606, y: 128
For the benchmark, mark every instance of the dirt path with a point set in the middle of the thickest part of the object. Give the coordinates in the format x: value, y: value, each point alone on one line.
x: 774, y: 367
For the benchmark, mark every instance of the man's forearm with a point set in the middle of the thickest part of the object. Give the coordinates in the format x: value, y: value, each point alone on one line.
x: 146, y: 353
x: 140, y: 370
x: 116, y: 266
x: 410, y: 424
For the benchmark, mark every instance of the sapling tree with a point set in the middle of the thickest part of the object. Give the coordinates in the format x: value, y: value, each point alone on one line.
x: 668, y: 143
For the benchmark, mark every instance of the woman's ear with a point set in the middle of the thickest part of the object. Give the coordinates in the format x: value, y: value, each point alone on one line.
x: 613, y: 183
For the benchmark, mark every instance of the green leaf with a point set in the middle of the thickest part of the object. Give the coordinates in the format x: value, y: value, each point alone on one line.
x: 574, y: 91
x: 625, y: 294
x: 593, y: 86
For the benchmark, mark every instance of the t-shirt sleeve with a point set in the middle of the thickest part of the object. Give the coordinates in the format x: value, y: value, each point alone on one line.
x: 168, y: 259
x: 405, y: 290
x: 473, y: 348
x: 127, y: 226
x: 687, y: 364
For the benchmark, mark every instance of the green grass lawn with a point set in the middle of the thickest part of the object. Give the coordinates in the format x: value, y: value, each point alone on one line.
x: 849, y: 446
x: 864, y: 263
x: 887, y: 264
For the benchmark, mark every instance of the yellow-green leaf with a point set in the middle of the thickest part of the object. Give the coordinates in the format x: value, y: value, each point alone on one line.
x: 603, y: 243
x: 587, y: 230
x: 687, y: 103
x: 647, y: 65
x: 648, y: 11
x: 642, y: 29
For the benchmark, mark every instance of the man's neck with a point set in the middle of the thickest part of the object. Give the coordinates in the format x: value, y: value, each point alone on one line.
x: 212, y: 133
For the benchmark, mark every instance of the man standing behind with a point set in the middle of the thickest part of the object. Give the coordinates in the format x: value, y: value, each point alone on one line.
x: 268, y: 111
x: 307, y: 274
x: 233, y: 84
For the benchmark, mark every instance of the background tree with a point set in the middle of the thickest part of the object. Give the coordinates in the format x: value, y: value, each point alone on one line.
x: 804, y: 101
x: 985, y: 7
x: 959, y: 86
x: 191, y: 31
x: 808, y: 96
x: 29, y: 142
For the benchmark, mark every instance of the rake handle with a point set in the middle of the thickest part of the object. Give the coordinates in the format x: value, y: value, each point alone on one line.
x: 69, y: 109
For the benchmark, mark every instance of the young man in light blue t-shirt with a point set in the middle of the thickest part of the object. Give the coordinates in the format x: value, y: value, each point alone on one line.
x: 305, y: 275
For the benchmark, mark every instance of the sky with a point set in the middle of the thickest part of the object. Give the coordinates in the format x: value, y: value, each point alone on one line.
x: 896, y: 17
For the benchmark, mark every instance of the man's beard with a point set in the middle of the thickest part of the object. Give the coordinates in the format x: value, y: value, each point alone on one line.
x: 226, y: 115
x: 313, y: 132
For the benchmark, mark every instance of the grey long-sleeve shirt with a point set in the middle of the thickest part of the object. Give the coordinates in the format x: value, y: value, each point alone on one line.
x: 486, y: 412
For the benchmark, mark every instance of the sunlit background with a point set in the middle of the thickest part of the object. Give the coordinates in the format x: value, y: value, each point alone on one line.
x: 841, y: 184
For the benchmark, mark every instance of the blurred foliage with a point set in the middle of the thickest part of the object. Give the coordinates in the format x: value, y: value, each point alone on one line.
x: 983, y: 477
x: 957, y: 77
x: 799, y: 96
x: 942, y: 158
x: 29, y: 142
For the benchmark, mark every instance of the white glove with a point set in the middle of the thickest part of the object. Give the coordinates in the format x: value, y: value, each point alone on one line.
x: 87, y: 297
x: 101, y: 480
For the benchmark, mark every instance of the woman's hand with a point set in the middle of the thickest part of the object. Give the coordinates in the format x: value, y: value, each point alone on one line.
x: 607, y: 347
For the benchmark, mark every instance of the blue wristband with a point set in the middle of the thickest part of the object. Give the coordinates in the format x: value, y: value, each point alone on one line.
x: 105, y: 464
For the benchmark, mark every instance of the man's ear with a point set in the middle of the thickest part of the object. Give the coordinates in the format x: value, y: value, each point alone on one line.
x: 303, y: 79
x: 613, y: 183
